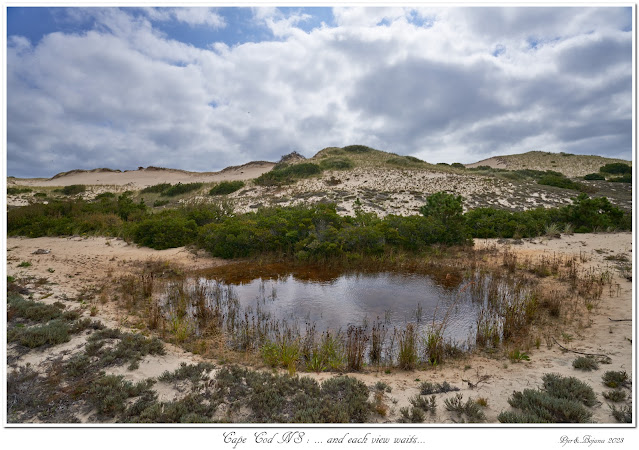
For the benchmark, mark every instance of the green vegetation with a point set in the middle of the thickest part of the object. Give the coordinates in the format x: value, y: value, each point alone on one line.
x: 563, y: 182
x: 357, y: 149
x: 73, y: 189
x: 616, y: 169
x: 585, y: 363
x: 336, y: 163
x: 171, y: 190
x: 287, y: 174
x: 35, y: 324
x: 561, y: 400
x: 226, y: 187
x: 427, y: 388
x: 594, y: 176
x: 615, y: 379
x: 16, y: 191
x: 179, y: 189
x: 156, y: 189
x: 626, y: 178
x: 305, y: 232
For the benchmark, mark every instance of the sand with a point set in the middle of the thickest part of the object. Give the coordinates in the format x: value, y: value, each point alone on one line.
x: 77, y: 264
x: 143, y: 177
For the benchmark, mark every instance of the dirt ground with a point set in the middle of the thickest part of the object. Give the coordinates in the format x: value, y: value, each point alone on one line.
x: 75, y: 265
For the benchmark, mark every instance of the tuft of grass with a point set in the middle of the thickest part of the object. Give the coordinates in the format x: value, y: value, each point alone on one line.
x: 108, y: 394
x: 469, y: 411
x: 517, y: 356
x: 585, y: 363
x: 25, y: 264
x: 426, y: 405
x: 73, y: 189
x: 411, y: 415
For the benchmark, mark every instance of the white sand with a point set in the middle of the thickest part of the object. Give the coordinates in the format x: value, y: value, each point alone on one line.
x: 79, y: 263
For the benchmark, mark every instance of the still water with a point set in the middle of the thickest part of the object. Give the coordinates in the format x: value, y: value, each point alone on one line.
x: 333, y: 300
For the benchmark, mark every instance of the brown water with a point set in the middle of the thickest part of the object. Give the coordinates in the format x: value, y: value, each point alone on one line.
x: 331, y: 299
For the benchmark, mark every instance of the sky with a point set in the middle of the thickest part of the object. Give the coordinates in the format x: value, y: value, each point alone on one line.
x: 200, y: 88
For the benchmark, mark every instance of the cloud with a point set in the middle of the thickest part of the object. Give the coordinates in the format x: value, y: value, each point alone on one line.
x: 425, y: 82
x: 193, y: 16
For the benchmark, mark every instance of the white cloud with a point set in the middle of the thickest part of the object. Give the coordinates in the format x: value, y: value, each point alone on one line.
x: 194, y: 16
x: 427, y: 83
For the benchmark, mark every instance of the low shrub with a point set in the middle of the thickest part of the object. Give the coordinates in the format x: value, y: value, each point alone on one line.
x: 615, y: 379
x: 16, y: 191
x: 287, y: 174
x: 561, y: 182
x: 627, y: 178
x: 616, y: 168
x: 336, y: 164
x: 594, y: 176
x: 179, y: 189
x: 585, y: 363
x: 226, y: 187
x: 73, y: 189
x: 156, y: 188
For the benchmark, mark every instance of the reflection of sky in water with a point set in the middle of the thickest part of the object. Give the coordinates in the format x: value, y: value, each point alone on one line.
x: 352, y: 299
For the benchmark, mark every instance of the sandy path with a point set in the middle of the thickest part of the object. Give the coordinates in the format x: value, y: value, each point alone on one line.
x: 76, y: 263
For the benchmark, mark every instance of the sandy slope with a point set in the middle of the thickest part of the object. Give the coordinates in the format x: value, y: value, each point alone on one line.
x: 74, y: 264
x: 141, y: 178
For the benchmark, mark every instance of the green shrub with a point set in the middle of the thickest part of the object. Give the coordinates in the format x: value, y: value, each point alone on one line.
x: 336, y: 164
x: 585, y: 363
x: 73, y: 189
x: 594, y: 176
x: 357, y: 149
x: 458, y: 165
x: 179, y: 189
x: 287, y: 174
x: 164, y: 230
x: 615, y: 379
x: 616, y: 168
x: 562, y: 400
x: 16, y: 191
x: 427, y: 388
x: 158, y: 203
x: 569, y: 388
x: 447, y: 212
x: 561, y: 182
x: 627, y: 178
x: 226, y: 187
x: 156, y: 189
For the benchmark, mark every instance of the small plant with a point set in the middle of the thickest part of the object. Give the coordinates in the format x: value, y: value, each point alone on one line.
x: 423, y: 403
x: 411, y: 415
x: 50, y: 270
x: 616, y: 395
x: 623, y: 414
x: 471, y: 409
x: 428, y: 388
x: 585, y: 363
x: 382, y: 386
x: 614, y: 379
x: 24, y: 264
x: 518, y: 356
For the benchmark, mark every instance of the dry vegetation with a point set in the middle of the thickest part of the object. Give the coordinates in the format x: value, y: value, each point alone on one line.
x: 102, y: 331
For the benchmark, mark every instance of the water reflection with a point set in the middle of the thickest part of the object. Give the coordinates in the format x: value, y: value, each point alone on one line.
x: 332, y: 299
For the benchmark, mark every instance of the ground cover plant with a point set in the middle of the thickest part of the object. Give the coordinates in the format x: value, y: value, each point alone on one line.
x: 561, y: 400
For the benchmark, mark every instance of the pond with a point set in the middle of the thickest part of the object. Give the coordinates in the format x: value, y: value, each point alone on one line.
x: 328, y: 299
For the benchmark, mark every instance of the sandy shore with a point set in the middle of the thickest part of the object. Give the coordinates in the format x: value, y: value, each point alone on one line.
x: 76, y: 264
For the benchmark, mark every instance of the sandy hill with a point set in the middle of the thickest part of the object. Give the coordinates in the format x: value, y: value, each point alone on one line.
x: 567, y: 163
x: 352, y: 176
x: 143, y: 177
